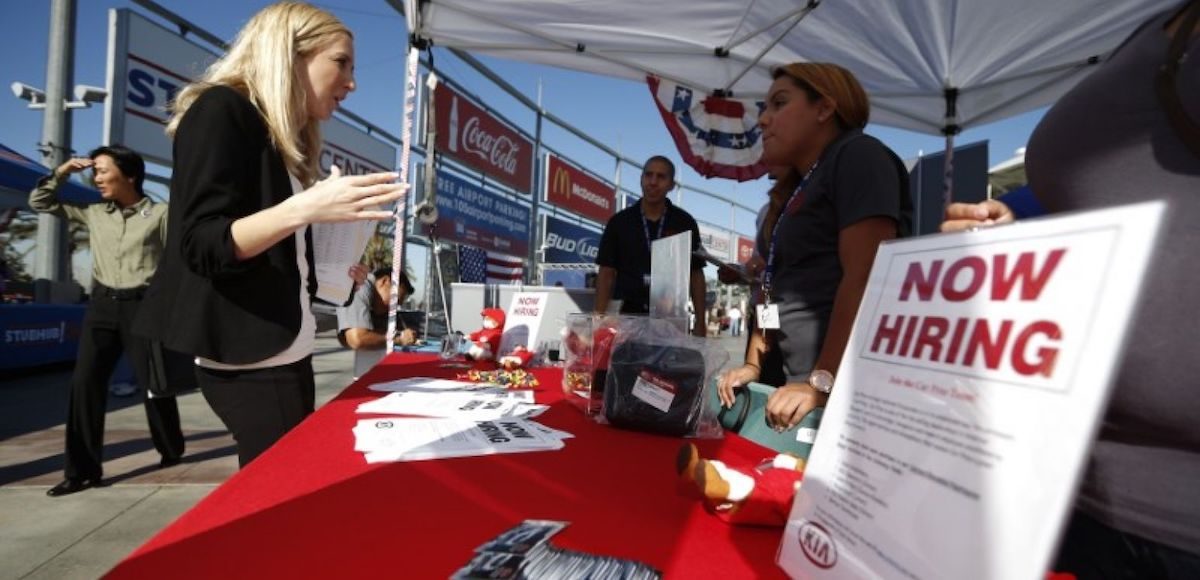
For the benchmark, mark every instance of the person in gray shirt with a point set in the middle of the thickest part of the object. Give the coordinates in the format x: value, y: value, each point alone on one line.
x: 362, y: 325
x: 1117, y: 138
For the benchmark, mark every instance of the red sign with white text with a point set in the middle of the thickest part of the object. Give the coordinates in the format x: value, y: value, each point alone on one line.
x: 745, y: 249
x: 574, y: 190
x: 476, y: 138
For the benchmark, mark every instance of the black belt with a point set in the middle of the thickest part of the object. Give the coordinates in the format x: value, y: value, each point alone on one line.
x: 119, y: 293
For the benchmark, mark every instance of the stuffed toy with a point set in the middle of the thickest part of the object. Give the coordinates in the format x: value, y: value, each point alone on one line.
x: 486, y: 341
x: 517, y: 359
x: 761, y: 496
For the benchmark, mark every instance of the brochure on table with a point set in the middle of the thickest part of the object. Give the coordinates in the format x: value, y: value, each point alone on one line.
x: 963, y: 411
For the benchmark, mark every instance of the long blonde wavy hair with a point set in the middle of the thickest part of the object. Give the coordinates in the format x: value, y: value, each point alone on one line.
x: 262, y: 65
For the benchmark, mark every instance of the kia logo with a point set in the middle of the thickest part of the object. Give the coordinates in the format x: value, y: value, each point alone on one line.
x: 817, y: 544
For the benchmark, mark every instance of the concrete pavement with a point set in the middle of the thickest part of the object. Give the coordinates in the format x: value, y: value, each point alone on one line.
x: 85, y: 534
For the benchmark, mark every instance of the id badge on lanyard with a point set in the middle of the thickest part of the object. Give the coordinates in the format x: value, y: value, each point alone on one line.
x: 768, y: 313
x: 768, y: 316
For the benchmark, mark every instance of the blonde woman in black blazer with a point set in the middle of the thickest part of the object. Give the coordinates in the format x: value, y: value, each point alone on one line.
x: 236, y: 282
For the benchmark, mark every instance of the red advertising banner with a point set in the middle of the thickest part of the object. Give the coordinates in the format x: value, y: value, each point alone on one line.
x: 745, y: 249
x: 476, y: 138
x: 574, y: 190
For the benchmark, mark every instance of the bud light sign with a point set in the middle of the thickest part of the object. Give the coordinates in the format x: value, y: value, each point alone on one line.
x: 567, y: 243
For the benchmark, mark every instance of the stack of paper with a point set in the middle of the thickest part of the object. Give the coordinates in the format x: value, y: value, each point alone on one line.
x: 451, y: 399
x: 464, y: 419
x: 412, y: 439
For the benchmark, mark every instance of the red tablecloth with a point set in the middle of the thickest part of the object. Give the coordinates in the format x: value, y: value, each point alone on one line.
x: 312, y: 507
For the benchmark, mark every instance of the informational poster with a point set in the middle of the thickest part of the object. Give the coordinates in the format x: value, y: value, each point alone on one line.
x: 523, y: 320
x: 670, y: 277
x: 476, y: 216
x: 961, y: 417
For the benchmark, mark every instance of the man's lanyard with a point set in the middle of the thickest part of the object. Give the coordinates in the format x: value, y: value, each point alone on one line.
x: 662, y: 221
x: 770, y: 269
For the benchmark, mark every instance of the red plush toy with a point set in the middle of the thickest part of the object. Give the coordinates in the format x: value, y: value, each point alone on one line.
x: 486, y: 341
x: 751, y: 497
x: 517, y: 359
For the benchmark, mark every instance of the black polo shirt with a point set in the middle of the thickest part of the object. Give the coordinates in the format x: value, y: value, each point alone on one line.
x: 624, y: 247
x: 857, y: 178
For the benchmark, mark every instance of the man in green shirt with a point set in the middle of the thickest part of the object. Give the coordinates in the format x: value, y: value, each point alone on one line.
x: 127, y: 233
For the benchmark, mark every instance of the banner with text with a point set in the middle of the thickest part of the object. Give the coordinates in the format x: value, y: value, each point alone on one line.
x: 716, y: 241
x: 575, y: 190
x: 473, y: 136
x: 963, y: 411
x: 468, y: 214
x: 567, y: 243
x: 148, y: 64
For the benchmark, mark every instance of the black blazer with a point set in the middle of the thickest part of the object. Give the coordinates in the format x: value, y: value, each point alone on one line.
x: 203, y: 300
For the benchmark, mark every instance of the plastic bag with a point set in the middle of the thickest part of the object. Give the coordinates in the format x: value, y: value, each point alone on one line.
x: 659, y: 379
x: 587, y: 341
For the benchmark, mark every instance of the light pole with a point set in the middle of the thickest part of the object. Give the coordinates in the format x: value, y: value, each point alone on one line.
x: 50, y: 264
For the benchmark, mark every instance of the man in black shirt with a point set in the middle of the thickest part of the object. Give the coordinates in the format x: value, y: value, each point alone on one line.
x: 624, y: 256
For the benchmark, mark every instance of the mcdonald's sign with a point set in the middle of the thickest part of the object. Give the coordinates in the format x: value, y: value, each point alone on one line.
x: 574, y: 190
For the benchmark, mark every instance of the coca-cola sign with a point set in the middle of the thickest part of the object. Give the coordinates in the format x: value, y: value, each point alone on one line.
x: 479, y: 140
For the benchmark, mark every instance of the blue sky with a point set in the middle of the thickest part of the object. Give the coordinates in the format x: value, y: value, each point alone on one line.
x: 617, y: 112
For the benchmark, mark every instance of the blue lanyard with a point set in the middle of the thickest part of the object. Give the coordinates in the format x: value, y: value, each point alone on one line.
x: 662, y: 221
x: 769, y: 272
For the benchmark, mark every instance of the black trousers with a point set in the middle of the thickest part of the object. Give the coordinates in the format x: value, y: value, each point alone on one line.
x: 1094, y: 551
x: 106, y: 334
x: 259, y: 406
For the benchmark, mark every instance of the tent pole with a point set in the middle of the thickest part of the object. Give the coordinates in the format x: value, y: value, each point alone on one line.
x: 723, y: 52
x: 950, y: 129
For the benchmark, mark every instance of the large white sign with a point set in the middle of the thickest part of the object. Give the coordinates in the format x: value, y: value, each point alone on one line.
x: 148, y: 64
x: 968, y: 397
x: 523, y: 321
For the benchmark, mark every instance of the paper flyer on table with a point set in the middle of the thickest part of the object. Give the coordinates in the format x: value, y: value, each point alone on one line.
x: 412, y: 439
x: 336, y: 247
x: 972, y: 386
x: 476, y: 405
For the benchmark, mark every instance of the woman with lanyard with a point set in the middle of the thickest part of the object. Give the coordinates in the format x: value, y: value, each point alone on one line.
x: 849, y: 193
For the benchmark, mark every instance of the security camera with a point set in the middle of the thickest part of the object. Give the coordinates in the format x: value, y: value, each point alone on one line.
x: 90, y: 94
x: 27, y: 93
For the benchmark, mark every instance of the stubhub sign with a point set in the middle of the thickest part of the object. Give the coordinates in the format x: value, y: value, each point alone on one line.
x: 567, y: 243
x: 148, y: 64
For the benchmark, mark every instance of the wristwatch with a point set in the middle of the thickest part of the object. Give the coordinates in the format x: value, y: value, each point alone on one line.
x: 821, y: 381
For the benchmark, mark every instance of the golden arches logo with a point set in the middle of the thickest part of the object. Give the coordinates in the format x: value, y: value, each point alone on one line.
x: 561, y: 183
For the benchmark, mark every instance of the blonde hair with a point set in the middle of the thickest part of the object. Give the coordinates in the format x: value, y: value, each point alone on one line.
x: 261, y: 65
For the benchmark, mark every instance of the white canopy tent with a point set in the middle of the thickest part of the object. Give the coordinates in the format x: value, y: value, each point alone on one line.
x: 931, y: 66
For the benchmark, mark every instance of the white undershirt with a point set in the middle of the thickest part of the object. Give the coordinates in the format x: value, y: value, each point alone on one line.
x: 303, y: 345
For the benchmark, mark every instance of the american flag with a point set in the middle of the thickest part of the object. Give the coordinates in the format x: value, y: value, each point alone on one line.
x: 476, y: 266
x: 718, y: 137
